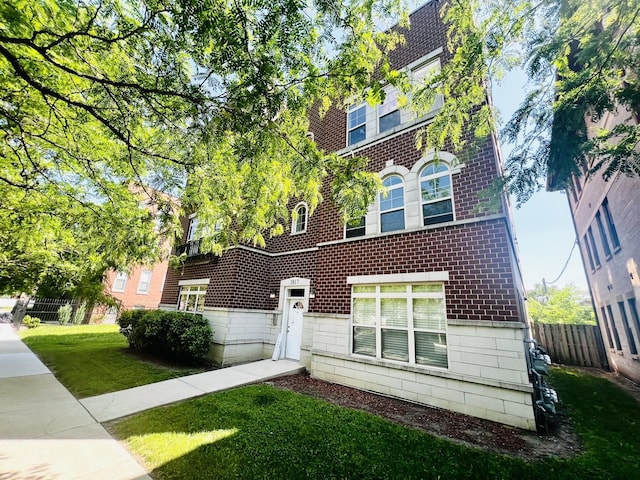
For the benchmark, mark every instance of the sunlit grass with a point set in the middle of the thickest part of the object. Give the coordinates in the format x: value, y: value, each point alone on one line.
x: 283, y: 435
x: 94, y: 359
x: 161, y: 448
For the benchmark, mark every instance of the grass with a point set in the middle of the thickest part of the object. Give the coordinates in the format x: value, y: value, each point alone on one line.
x: 95, y: 359
x: 262, y: 432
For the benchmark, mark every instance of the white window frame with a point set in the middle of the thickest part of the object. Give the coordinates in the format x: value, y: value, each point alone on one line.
x: 374, y: 291
x: 433, y: 177
x: 350, y: 128
x: 144, y: 285
x: 121, y: 277
x: 382, y: 197
x: 296, y: 228
x: 194, y: 221
x: 389, y: 106
x: 198, y: 291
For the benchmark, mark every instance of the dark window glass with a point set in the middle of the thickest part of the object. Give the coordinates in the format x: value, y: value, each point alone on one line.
x: 355, y: 228
x: 612, y: 227
x: 437, y: 212
x: 588, y: 250
x: 391, y: 221
x: 594, y: 249
x: 390, y: 120
x: 616, y: 335
x: 603, y: 236
x: 358, y: 134
x: 606, y: 328
x: 627, y: 327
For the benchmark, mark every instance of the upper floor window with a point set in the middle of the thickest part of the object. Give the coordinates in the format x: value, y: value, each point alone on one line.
x: 435, y: 192
x: 120, y: 282
x: 299, y: 220
x: 193, y: 228
x: 356, y: 124
x: 594, y: 249
x: 603, y: 236
x: 145, y: 281
x: 355, y: 228
x: 612, y: 227
x: 392, y: 204
x: 388, y: 112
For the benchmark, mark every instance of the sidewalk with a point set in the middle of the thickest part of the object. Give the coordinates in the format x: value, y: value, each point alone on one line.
x: 46, y: 434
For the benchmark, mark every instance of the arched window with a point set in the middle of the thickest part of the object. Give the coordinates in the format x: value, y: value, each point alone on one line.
x: 299, y: 220
x: 435, y: 192
x: 392, y: 205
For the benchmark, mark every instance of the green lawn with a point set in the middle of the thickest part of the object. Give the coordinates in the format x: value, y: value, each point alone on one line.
x: 94, y: 359
x: 262, y: 432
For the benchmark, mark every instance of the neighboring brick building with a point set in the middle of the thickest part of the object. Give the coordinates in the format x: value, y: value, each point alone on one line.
x: 606, y: 217
x: 421, y: 299
x: 140, y: 287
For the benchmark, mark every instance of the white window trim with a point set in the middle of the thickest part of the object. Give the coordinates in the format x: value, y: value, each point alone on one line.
x: 195, y: 294
x: 352, y: 108
x: 433, y: 177
x: 150, y: 275
x: 418, y: 277
x: 192, y: 233
x: 195, y: 281
x: 404, y: 203
x: 294, y: 221
x: 410, y: 329
x: 124, y: 286
x: 388, y: 91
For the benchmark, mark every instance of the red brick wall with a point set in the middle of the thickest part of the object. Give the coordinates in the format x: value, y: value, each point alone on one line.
x: 480, y: 285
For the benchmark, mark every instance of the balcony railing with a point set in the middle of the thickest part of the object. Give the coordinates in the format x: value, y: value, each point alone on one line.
x: 192, y: 248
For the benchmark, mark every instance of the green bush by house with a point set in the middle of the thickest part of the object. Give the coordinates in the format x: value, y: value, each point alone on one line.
x: 184, y: 337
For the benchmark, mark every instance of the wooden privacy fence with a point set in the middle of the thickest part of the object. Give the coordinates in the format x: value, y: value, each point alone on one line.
x: 577, y: 345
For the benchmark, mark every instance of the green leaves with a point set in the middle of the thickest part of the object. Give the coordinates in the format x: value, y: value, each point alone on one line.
x: 581, y: 58
x: 205, y: 100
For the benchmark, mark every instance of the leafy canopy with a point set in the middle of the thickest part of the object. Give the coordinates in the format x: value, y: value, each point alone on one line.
x: 205, y: 100
x: 582, y: 58
x: 567, y: 305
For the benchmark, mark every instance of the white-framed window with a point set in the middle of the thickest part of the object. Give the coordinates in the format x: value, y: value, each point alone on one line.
x: 145, y: 282
x: 392, y: 204
x: 388, y: 112
x: 299, y: 219
x: 436, y: 194
x: 193, y: 228
x: 356, y: 124
x: 400, y: 322
x: 191, y: 298
x: 120, y: 282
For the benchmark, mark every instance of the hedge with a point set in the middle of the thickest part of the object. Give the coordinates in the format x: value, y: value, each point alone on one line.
x: 180, y: 336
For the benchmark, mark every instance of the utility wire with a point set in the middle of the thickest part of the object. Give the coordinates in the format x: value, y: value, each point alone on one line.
x: 545, y: 283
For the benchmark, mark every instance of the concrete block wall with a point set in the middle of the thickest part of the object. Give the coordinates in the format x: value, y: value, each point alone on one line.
x: 486, y: 377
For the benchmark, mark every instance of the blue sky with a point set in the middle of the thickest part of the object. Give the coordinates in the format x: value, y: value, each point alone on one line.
x: 544, y: 228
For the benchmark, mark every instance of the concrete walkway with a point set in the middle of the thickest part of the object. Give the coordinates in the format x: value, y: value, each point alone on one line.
x: 126, y: 402
x: 47, y: 434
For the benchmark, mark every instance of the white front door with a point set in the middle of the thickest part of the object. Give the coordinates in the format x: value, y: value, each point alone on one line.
x: 294, y: 329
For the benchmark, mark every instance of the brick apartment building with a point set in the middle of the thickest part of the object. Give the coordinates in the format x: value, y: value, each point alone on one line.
x: 141, y: 286
x: 606, y: 217
x: 420, y: 299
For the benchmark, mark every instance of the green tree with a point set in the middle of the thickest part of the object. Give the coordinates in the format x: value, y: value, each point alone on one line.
x: 560, y: 305
x: 582, y: 60
x: 206, y: 100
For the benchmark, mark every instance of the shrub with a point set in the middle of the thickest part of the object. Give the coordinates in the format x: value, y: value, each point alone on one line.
x: 180, y: 336
x: 31, y: 322
x: 78, y: 317
x: 64, y: 314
